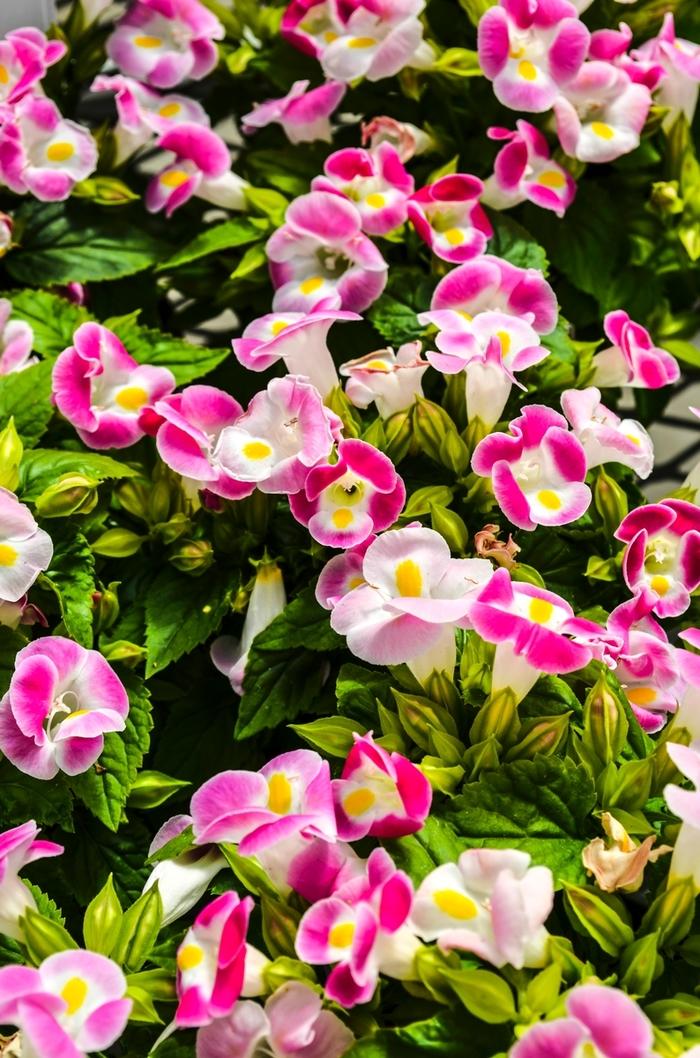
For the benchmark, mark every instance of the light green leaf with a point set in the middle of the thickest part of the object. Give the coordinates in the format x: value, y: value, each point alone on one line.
x: 26, y: 396
x: 53, y: 319
x: 396, y: 322
x: 182, y: 612
x: 237, y: 232
x: 686, y: 352
x: 39, y: 469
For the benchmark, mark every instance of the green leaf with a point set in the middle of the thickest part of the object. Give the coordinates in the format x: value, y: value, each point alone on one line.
x: 396, y: 322
x: 53, y: 319
x: 26, y: 396
x: 237, y: 232
x: 515, y: 243
x: 357, y: 690
x: 686, y: 352
x: 39, y: 469
x: 443, y: 1036
x: 24, y: 798
x: 71, y: 575
x: 95, y: 852
x: 186, y: 360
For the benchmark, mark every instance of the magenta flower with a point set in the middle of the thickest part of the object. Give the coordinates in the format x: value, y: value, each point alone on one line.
x: 25, y: 56
x: 610, y: 45
x: 530, y: 50
x: 601, y: 113
x: 25, y: 549
x: 16, y: 341
x: 679, y: 61
x: 202, y: 167
x: 163, y: 42
x: 448, y: 217
x: 524, y: 171
x: 407, y: 139
x: 290, y: 795
x: 537, y: 470
x: 211, y: 961
x: 606, y: 438
x: 343, y: 503
x: 375, y: 181
x: 663, y: 553
x: 306, y: 24
x: 312, y: 867
x: 490, y: 283
x: 304, y: 115
x: 602, y: 1020
x: 102, y: 391
x: 391, y: 380
x: 43, y: 153
x: 632, y: 359
x: 320, y: 255
x: 73, y: 1004
x: 379, y: 793
x: 341, y: 574
x: 19, y: 847
x: 267, y: 600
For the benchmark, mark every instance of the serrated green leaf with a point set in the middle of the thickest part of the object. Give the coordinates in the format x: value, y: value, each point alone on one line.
x: 186, y: 360
x: 236, y: 232
x: 182, y: 612
x: 71, y: 575
x: 26, y: 397
x: 24, y: 798
x: 395, y: 321
x: 40, y: 468
x: 53, y: 319
x: 513, y: 242
x: 442, y: 1036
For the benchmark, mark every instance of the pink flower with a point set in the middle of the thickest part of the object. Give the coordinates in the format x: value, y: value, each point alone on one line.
x: 102, y: 391
x: 343, y: 503
x: 25, y: 56
x: 75, y: 1003
x: 16, y: 341
x: 267, y: 600
x: 686, y: 805
x: 25, y: 549
x: 680, y: 62
x: 341, y: 574
x: 290, y: 795
x: 379, y: 793
x: 163, y: 42
x: 448, y: 217
x: 492, y: 903
x: 663, y: 553
x: 308, y: 24
x: 42, y: 153
x: 6, y: 231
x: 61, y: 701
x: 291, y: 1025
x: 407, y: 139
x: 211, y: 961
x: 632, y: 359
x: 489, y: 283
x: 524, y: 171
x: 321, y: 255
x: 316, y: 868
x: 603, y: 1020
x: 19, y: 847
x: 304, y: 115
x: 375, y: 181
x: 202, y: 167
x: 391, y: 380
x: 529, y: 50
x: 601, y: 113
x: 537, y: 470
x: 606, y: 438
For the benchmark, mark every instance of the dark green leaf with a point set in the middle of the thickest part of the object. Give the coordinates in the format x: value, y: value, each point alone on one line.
x: 53, y: 319
x: 443, y: 1036
x: 237, y: 232
x: 39, y: 469
x: 182, y: 612
x: 186, y: 360
x: 72, y: 577
x: 515, y: 243
x: 396, y: 322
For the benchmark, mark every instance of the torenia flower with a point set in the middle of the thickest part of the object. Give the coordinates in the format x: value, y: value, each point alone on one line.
x: 25, y: 56
x: 490, y: 283
x: 535, y: 631
x: 211, y: 961
x: 102, y: 391
x: 411, y: 596
x: 685, y: 862
x: 491, y: 902
x: 6, y: 230
x: 663, y: 553
x: 606, y: 438
x: 537, y: 470
x: 320, y: 255
x: 524, y: 171
x: 632, y: 359
x: 61, y: 702
x: 448, y: 217
x: 292, y: 1024
x: 43, y: 153
x: 373, y: 40
x: 680, y: 62
x: 73, y: 1004
x: 310, y: 866
x: 619, y: 863
x: 202, y: 167
x: 530, y: 50
x: 290, y: 795
x: 391, y: 380
x: 407, y: 139
x: 25, y: 549
x: 163, y: 42
x: 19, y: 847
x: 379, y: 793
x: 375, y: 181
x: 601, y: 113
x: 600, y: 1020
x: 267, y: 600
x: 16, y: 341
x: 183, y: 880
x: 304, y: 115
x: 343, y: 503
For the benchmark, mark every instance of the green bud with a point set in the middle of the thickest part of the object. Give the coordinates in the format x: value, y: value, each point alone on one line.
x: 11, y: 449
x: 447, y: 748
x: 598, y: 916
x: 256, y: 511
x: 123, y: 650
x: 374, y: 434
x: 440, y: 688
x: 280, y: 923
x: 43, y: 937
x: 102, y: 920
x: 338, y: 402
x: 422, y: 500
x: 106, y: 606
x: 332, y: 734
x: 543, y: 735
x: 105, y: 191
x: 451, y: 527
x: 476, y: 431
x: 605, y: 724
x: 445, y: 779
x: 138, y: 931
x: 599, y: 568
x: 690, y: 950
x: 153, y: 788
x: 641, y: 964
x: 454, y: 454
x: 674, y: 1013
x: 117, y: 543
x: 485, y: 995
x: 398, y: 432
x: 174, y: 528
x: 665, y: 199
x: 159, y: 502
x: 418, y: 715
x: 142, y: 1008
x: 133, y: 497
x: 610, y: 500
x: 561, y: 952
x: 431, y: 425
x: 249, y: 872
x: 498, y: 716
x: 633, y: 785
x: 482, y: 756
x: 158, y: 984
x: 192, y: 556
x: 665, y: 771
x: 542, y: 992
x: 671, y: 913
x: 391, y: 726
x: 527, y: 574
x: 431, y: 964
x: 284, y: 969
x: 71, y: 494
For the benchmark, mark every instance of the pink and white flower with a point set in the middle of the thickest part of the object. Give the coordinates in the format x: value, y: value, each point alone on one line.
x: 524, y: 171
x: 103, y: 392
x: 663, y: 553
x: 686, y: 805
x: 19, y: 847
x: 61, y: 702
x: 292, y: 1024
x: 320, y: 255
x: 290, y: 795
x: 211, y: 961
x: 16, y: 342
x: 618, y: 861
x: 375, y: 181
x: 304, y: 115
x: 202, y: 167
x: 448, y: 217
x: 25, y: 56
x: 164, y: 42
x: 411, y: 596
x: 310, y: 866
x: 341, y: 574
x: 537, y: 470
x: 73, y: 1004
x: 41, y: 152
x: 310, y: 25
x: 391, y: 380
x: 25, y: 549
x: 492, y: 903
x: 343, y: 503
x: 680, y: 61
x: 407, y: 139
x: 379, y: 793
x: 531, y: 50
x: 183, y: 880
x: 632, y: 359
x: 267, y: 600
x: 601, y: 113
x: 490, y: 283
x: 606, y: 438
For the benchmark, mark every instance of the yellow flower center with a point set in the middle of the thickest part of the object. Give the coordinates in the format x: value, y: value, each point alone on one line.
x: 147, y: 41
x: 361, y: 42
x: 311, y: 285
x: 76, y: 714
x: 4, y: 75
x: 378, y: 365
x: 641, y: 695
x: 278, y: 326
x: 189, y: 957
x: 73, y: 994
x: 454, y: 236
x: 174, y: 178
x: 601, y: 130
x: 60, y: 152
x: 131, y: 398
x: 455, y: 904
x: 359, y: 801
x: 549, y: 499
x: 340, y: 936
x: 256, y: 450
x: 504, y: 339
x: 375, y: 200
x: 551, y: 178
x: 342, y: 518
x: 329, y: 36
x: 8, y: 555
x: 280, y: 795
x: 527, y: 71
x: 633, y: 439
x: 541, y: 610
x: 169, y: 110
x: 409, y: 579
x: 660, y: 584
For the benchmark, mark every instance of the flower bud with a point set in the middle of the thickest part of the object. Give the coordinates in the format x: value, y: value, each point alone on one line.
x: 671, y: 914
x: 133, y: 497
x: 431, y: 965
x: 498, y: 716
x: 605, y: 725
x: 106, y: 605
x: 138, y: 930
x: 543, y: 734
x: 279, y: 925
x: 102, y: 920
x: 641, y: 964
x: 279, y: 971
x: 482, y: 756
x: 153, y: 788
x: 485, y: 995
x: 43, y: 937
x: 432, y: 426
x: 665, y: 199
x: 338, y: 402
x: 11, y: 449
x: 159, y: 502
x: 332, y: 735
x: 192, y: 556
x: 71, y: 494
x: 398, y: 430
x: 117, y: 543
x: 451, y: 527
x: 440, y: 688
x: 610, y: 501
x: 174, y: 528
x: 418, y: 715
x: 598, y: 917
x: 122, y: 650
x: 633, y: 785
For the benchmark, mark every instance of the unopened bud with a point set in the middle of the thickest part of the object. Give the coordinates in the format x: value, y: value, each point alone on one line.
x: 431, y: 425
x: 541, y: 735
x: 338, y: 402
x: 665, y: 198
x: 279, y: 971
x: 418, y: 715
x: 332, y: 735
x: 71, y: 494
x: 610, y: 500
x: 451, y: 527
x: 159, y: 502
x: 454, y: 454
x: 604, y: 722
x: 641, y: 964
x: 133, y: 497
x: 106, y: 605
x: 192, y: 556
x: 122, y: 650
x: 398, y: 430
x: 633, y: 785
x: 671, y: 914
x: 11, y: 449
x: 138, y: 930
x: 279, y: 925
x: 117, y: 543
x: 498, y: 716
x: 482, y: 756
x: 598, y: 917
x: 102, y: 920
